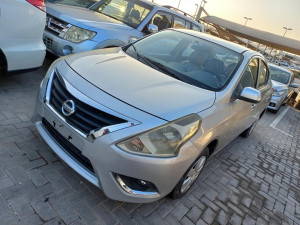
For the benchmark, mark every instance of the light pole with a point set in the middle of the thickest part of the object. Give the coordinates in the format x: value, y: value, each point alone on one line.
x: 286, y: 29
x: 178, y: 4
x: 196, y: 9
x: 202, y: 4
x: 247, y: 18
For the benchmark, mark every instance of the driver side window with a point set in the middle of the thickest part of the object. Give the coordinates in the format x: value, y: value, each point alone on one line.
x: 162, y: 20
x: 249, y: 77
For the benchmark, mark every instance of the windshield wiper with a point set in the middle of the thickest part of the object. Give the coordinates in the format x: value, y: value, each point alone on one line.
x: 155, y: 64
x: 164, y: 69
x: 141, y: 57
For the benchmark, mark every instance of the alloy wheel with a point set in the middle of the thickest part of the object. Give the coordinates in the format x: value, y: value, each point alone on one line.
x: 193, y: 174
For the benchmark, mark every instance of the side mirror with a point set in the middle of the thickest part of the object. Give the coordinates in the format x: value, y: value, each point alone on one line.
x: 132, y: 40
x: 152, y: 28
x: 250, y: 94
x: 294, y: 85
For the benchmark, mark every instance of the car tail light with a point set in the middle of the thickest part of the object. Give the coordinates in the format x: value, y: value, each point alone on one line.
x: 40, y: 4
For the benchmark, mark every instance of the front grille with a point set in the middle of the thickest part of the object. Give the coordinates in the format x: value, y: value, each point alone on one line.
x: 56, y: 26
x: 68, y: 146
x: 48, y: 42
x: 86, y: 118
x: 272, y: 104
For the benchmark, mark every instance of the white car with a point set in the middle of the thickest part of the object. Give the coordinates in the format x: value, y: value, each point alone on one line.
x: 283, y: 86
x: 21, y: 38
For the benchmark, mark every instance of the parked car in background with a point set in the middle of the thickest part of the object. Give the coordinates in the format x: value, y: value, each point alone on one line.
x: 284, y: 64
x: 108, y: 23
x: 282, y: 80
x: 21, y: 34
x: 140, y: 121
x: 77, y: 3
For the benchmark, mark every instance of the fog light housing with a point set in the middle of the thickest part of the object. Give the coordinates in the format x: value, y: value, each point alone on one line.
x: 67, y: 50
x: 135, y: 186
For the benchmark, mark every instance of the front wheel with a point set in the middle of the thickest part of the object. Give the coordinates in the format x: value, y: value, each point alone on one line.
x: 190, y: 176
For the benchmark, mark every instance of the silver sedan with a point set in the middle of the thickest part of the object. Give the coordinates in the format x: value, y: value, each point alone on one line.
x: 282, y: 80
x: 140, y: 121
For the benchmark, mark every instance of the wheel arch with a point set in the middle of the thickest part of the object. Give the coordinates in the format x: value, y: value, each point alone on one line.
x: 262, y: 113
x: 212, y: 146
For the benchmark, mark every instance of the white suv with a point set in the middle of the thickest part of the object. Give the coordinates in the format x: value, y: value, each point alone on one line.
x: 21, y: 38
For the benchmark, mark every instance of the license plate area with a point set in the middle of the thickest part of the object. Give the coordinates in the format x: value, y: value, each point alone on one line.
x: 64, y: 129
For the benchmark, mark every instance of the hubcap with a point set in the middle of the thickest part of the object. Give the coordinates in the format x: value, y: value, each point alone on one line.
x: 193, y: 174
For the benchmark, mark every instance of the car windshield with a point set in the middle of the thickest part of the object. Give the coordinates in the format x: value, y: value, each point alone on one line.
x: 78, y: 3
x: 187, y: 58
x: 279, y: 75
x: 130, y: 12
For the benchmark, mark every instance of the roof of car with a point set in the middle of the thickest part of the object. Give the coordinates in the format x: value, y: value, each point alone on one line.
x: 279, y: 67
x: 171, y: 11
x: 227, y: 44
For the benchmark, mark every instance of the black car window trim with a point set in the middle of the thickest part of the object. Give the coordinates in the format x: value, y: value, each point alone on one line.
x: 267, y: 74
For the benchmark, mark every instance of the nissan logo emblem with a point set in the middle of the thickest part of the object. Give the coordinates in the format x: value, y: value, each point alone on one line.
x: 68, y: 107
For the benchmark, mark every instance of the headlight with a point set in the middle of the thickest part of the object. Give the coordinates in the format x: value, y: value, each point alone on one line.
x: 278, y: 94
x: 164, y: 141
x: 278, y: 91
x: 77, y: 34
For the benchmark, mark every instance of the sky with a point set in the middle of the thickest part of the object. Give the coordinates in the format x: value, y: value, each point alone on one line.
x: 267, y: 15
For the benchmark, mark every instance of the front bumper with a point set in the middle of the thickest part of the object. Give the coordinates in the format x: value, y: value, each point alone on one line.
x: 276, y: 102
x: 60, y: 47
x: 107, y: 159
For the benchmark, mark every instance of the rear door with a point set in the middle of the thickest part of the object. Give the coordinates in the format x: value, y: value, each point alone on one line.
x: 264, y: 86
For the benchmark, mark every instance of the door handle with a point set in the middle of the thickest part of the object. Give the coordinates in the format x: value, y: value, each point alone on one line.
x: 252, y: 107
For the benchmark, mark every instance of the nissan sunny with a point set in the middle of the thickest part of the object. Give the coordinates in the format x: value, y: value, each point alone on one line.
x: 140, y: 121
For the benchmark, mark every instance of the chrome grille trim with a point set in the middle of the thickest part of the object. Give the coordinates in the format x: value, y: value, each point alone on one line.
x: 93, y: 134
x: 57, y: 26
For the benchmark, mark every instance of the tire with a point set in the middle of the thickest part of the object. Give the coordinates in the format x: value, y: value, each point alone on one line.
x: 190, y: 176
x: 246, y: 133
x: 1, y: 70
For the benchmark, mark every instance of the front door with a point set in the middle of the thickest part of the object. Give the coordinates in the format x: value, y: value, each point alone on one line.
x: 243, y: 113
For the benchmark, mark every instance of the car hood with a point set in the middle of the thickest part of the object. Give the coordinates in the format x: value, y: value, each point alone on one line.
x: 139, y: 85
x: 83, y: 17
x: 277, y: 84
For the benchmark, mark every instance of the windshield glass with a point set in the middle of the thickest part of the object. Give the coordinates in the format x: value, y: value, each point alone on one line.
x: 279, y: 75
x: 187, y: 58
x: 130, y: 12
x: 78, y: 3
